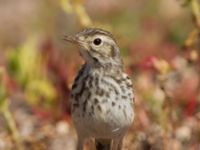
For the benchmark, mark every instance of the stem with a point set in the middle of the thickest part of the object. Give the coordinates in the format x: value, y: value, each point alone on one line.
x: 82, y: 15
x: 196, y: 11
x: 11, y: 125
x: 78, y: 8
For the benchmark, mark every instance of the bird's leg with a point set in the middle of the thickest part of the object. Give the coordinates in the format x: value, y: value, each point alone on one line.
x: 117, y: 144
x: 80, y: 144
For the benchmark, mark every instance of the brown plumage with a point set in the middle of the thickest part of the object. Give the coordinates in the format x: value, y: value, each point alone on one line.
x: 102, y: 97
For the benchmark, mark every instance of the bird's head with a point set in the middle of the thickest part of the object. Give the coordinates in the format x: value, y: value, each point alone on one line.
x: 98, y: 47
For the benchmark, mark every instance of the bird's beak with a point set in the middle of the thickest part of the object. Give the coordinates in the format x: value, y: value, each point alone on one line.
x: 76, y: 40
x: 72, y: 39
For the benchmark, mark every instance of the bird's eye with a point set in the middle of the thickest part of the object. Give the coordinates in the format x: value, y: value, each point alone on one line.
x: 97, y: 41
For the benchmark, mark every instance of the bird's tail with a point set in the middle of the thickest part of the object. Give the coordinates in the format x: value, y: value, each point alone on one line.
x: 103, y: 144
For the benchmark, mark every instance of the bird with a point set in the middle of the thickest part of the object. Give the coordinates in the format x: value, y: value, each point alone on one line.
x: 102, y: 98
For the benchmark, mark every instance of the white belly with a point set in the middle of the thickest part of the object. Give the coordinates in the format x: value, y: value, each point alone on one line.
x: 104, y: 111
x: 106, y: 124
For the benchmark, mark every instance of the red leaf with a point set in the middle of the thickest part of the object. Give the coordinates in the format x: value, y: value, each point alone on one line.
x: 191, y: 106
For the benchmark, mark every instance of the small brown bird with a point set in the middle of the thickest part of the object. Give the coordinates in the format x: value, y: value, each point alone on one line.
x: 102, y: 95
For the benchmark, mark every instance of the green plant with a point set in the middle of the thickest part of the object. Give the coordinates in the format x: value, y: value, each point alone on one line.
x: 5, y: 111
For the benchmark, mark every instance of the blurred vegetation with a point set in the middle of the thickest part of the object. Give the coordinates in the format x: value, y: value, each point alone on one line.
x: 160, y: 45
x: 26, y: 65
